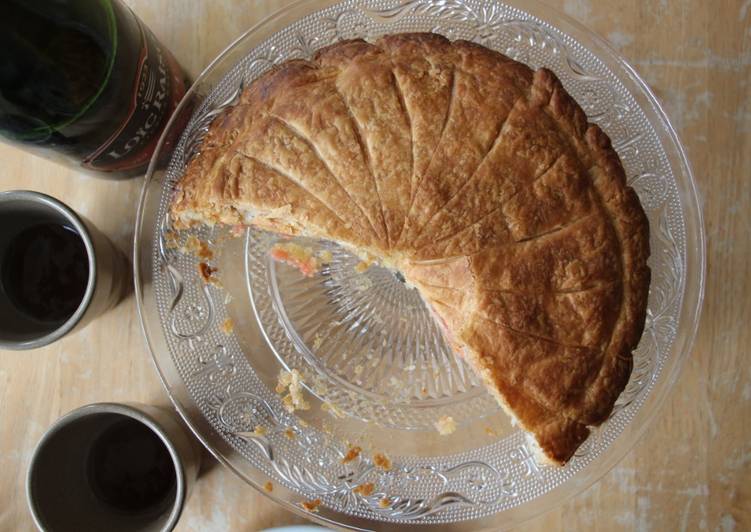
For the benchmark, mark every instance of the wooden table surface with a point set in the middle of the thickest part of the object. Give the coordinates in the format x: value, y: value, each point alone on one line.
x: 692, y: 471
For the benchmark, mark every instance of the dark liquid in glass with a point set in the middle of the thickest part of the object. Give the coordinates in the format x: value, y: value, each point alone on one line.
x: 130, y: 469
x: 45, y: 271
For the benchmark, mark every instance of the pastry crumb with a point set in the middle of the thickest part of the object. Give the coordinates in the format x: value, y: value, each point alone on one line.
x: 290, y: 434
x: 384, y: 503
x: 228, y: 326
x: 364, y: 489
x: 317, y: 341
x: 490, y: 432
x: 204, y: 252
x: 445, y: 425
x: 207, y: 272
x: 191, y: 244
x: 362, y: 266
x: 291, y: 383
x: 297, y: 256
x: 352, y: 453
x: 325, y: 256
x: 311, y: 506
x: 288, y: 402
x: 195, y: 246
x: 268, y: 486
x: 180, y: 224
x: 382, y: 461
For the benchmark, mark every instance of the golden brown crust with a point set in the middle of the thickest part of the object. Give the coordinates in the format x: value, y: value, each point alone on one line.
x: 481, y: 180
x: 423, y: 68
x: 485, y: 87
x: 370, y: 91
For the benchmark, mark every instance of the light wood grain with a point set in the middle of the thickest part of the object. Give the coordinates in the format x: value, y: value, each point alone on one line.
x: 692, y: 471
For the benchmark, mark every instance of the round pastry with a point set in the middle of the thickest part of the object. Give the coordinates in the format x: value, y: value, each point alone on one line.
x: 480, y: 181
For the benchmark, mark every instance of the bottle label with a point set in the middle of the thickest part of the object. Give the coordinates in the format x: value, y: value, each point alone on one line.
x: 159, y: 87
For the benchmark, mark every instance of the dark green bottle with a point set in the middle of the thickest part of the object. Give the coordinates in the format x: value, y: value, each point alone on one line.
x: 85, y: 83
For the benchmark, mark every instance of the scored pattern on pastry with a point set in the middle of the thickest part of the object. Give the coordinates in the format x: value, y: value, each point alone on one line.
x: 480, y: 180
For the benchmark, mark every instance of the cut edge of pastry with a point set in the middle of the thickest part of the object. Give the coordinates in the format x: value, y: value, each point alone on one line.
x: 540, y: 454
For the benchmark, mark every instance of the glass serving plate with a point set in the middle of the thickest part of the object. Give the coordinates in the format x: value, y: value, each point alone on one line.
x: 377, y: 372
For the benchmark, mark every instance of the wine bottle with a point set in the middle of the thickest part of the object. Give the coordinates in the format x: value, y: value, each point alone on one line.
x: 85, y: 83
